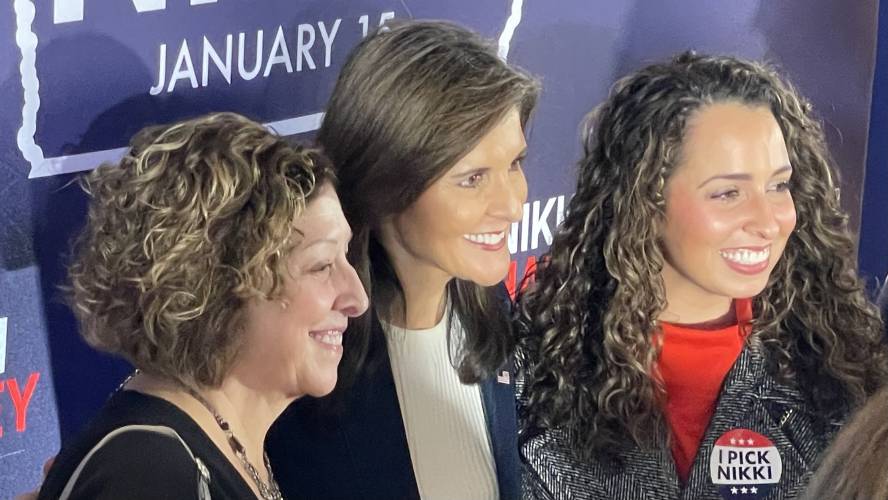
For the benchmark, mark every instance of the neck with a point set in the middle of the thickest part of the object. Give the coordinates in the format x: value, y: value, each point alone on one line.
x: 249, y: 413
x: 424, y: 288
x: 690, y: 305
x: 422, y: 305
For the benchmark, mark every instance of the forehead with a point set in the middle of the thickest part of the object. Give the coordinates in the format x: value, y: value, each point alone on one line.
x: 504, y: 140
x: 322, y: 217
x: 733, y: 136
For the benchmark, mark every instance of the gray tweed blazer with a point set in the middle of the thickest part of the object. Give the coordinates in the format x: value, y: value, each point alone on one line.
x: 750, y: 399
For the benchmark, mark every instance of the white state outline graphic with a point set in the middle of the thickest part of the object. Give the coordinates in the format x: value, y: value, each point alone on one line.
x: 41, y: 166
x: 3, y: 324
x: 26, y: 40
x: 505, y: 39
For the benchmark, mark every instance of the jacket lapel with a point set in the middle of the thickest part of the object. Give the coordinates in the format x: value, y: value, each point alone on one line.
x: 374, y: 429
x: 498, y: 399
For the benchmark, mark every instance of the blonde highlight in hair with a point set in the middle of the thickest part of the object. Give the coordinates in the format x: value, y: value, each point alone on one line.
x: 195, y: 220
x: 587, y: 324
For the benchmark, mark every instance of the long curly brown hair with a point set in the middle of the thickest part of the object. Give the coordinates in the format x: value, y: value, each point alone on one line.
x: 195, y: 220
x: 586, y: 325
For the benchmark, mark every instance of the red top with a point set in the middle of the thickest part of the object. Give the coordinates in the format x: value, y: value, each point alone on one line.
x: 693, y: 364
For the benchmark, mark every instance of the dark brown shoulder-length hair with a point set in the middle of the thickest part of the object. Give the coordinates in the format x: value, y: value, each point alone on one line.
x: 195, y: 220
x: 412, y: 99
x: 586, y: 324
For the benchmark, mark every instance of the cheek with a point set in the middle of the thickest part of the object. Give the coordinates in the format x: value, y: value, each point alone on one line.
x: 785, y: 214
x: 715, y: 226
x: 521, y: 187
x: 442, y: 229
x: 308, y: 307
x: 312, y: 305
x: 465, y: 218
x: 693, y: 222
x: 423, y: 223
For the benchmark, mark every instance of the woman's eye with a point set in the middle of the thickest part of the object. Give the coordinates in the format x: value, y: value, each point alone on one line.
x: 516, y: 165
x: 726, y: 195
x: 782, y: 187
x: 472, y: 180
x: 323, y: 268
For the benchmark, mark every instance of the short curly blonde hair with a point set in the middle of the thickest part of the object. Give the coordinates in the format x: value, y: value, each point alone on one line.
x: 195, y: 220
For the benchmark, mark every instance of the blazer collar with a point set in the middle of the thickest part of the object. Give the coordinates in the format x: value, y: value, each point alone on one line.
x: 374, y: 410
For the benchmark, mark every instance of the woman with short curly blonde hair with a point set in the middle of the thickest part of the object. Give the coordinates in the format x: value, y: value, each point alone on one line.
x: 214, y: 260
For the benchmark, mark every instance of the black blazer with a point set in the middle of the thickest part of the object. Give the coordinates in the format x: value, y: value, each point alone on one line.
x: 362, y: 452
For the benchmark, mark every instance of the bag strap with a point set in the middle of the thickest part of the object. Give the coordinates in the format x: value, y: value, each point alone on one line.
x: 203, y: 488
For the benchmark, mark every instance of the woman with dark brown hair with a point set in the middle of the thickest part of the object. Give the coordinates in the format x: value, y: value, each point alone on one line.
x: 213, y: 260
x: 426, y: 131
x: 700, y: 330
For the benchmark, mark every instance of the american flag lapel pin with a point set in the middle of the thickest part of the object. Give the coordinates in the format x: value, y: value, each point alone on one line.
x: 504, y: 378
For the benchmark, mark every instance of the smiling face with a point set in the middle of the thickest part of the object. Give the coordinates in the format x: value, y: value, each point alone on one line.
x: 729, y: 211
x: 293, y: 345
x: 458, y: 227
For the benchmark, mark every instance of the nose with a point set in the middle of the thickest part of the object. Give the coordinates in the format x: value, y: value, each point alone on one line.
x: 352, y: 300
x: 509, y: 197
x: 762, y: 220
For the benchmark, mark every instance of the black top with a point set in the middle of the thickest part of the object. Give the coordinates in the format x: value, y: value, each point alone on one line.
x: 362, y: 450
x: 140, y: 464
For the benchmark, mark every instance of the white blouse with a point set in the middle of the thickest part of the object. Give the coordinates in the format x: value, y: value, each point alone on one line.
x: 443, y: 418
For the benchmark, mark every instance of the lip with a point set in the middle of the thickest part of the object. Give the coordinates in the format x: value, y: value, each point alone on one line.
x: 494, y: 247
x: 334, y: 348
x: 747, y: 269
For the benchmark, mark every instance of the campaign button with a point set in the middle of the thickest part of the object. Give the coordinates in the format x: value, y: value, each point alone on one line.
x: 744, y: 465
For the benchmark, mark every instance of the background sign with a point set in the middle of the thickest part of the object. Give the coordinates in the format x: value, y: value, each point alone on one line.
x: 79, y: 77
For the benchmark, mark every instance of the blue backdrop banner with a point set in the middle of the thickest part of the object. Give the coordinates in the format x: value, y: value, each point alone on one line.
x: 79, y: 77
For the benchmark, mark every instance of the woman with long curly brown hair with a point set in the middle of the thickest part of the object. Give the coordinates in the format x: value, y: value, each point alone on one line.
x: 700, y: 328
x: 213, y: 260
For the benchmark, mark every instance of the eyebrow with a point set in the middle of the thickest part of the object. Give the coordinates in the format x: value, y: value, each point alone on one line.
x: 326, y: 241
x: 742, y: 177
x: 519, y: 156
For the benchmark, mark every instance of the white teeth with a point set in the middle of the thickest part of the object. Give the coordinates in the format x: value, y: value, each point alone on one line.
x: 486, y: 238
x: 331, y: 337
x: 746, y: 257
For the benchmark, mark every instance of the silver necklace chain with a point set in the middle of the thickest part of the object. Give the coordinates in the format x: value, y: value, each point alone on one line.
x: 267, y: 490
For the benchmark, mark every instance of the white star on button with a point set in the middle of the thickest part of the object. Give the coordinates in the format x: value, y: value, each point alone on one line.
x: 733, y: 491
x: 734, y: 441
x: 743, y: 490
x: 749, y: 442
x: 753, y: 490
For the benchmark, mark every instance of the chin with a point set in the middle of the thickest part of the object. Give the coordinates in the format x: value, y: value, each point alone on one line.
x: 489, y: 276
x: 487, y: 281
x: 745, y: 292
x: 321, y: 388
